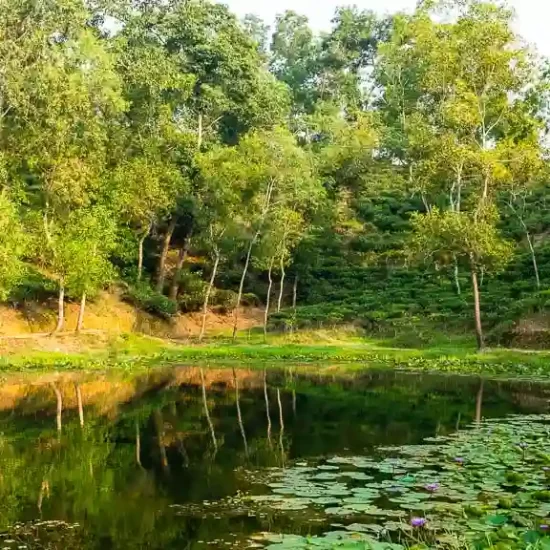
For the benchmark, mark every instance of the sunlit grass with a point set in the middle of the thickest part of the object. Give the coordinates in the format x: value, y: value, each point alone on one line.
x: 344, y: 350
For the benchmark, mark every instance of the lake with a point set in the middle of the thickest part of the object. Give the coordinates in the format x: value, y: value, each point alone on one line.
x: 191, y: 458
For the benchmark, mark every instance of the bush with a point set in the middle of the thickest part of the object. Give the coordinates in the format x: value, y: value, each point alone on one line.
x: 224, y: 300
x: 192, y: 289
x: 33, y: 287
x: 250, y: 300
x: 144, y: 297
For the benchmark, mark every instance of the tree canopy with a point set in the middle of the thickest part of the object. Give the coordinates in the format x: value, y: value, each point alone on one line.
x: 133, y: 135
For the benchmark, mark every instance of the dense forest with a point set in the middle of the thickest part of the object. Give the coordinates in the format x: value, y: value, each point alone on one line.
x: 390, y: 172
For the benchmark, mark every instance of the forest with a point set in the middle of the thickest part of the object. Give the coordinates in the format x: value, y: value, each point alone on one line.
x: 390, y: 173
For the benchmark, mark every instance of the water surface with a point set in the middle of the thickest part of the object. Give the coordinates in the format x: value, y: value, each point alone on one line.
x: 217, y: 458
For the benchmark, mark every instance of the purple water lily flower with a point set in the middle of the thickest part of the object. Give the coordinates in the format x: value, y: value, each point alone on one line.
x: 544, y: 527
x: 546, y: 468
x: 418, y: 522
x: 459, y: 460
x: 432, y: 487
x: 523, y: 445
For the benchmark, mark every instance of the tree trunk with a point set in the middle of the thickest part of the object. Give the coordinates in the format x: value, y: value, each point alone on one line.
x: 183, y: 452
x: 159, y: 428
x: 457, y: 280
x: 79, y: 404
x: 207, y: 295
x: 268, y: 297
x: 294, y: 293
x: 529, y: 242
x: 140, y: 257
x: 140, y: 252
x: 182, y: 256
x: 60, y: 309
x: 485, y: 188
x: 425, y: 203
x: 138, y: 445
x: 161, y: 272
x: 282, y: 286
x: 265, y: 210
x: 44, y: 492
x: 80, y: 322
x: 241, y: 285
x: 282, y: 425
x: 477, y: 311
x: 534, y: 259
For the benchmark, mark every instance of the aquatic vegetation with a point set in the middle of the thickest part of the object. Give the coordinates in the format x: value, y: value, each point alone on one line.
x: 487, y: 486
x: 245, y: 459
x: 418, y: 522
x: 343, y: 540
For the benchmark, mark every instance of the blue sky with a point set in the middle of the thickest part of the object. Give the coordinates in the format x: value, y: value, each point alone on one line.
x: 532, y: 15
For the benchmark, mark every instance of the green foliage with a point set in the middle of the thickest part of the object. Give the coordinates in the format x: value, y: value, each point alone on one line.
x: 12, y: 246
x: 144, y: 297
x: 331, y: 160
x: 473, y: 240
x: 478, y: 488
x: 191, y: 291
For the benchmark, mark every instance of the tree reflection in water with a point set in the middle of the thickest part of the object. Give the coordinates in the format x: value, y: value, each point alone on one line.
x: 152, y: 443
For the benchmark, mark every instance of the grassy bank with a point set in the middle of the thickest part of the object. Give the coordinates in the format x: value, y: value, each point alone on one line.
x: 344, y: 352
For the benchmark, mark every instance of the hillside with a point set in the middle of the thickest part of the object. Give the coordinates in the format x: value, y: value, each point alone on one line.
x: 108, y: 313
x: 390, y: 173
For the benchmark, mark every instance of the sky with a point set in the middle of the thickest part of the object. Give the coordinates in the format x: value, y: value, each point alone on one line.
x: 532, y: 15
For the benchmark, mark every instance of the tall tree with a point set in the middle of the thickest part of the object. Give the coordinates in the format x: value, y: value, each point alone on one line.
x: 144, y: 193
x: 59, y: 92
x: 456, y: 102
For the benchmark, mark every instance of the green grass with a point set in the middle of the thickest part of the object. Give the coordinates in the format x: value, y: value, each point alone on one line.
x: 337, y: 352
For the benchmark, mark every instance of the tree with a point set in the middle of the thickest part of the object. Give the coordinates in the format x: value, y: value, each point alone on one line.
x: 276, y: 174
x: 286, y: 228
x: 13, y: 243
x: 218, y: 204
x: 470, y: 239
x: 456, y: 101
x: 86, y: 247
x: 258, y: 31
x: 295, y: 59
x: 181, y: 84
x: 348, y: 58
x: 59, y: 93
x: 75, y: 251
x: 145, y: 191
x: 525, y: 169
x: 158, y: 92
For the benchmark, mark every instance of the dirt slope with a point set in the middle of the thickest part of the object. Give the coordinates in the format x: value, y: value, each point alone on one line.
x: 110, y: 314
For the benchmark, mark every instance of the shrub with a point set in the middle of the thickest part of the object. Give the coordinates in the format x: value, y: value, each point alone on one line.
x: 224, y: 300
x: 192, y: 288
x: 33, y: 287
x: 250, y: 300
x: 144, y: 297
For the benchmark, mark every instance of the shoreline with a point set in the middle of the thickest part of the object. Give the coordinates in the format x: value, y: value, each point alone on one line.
x: 133, y: 352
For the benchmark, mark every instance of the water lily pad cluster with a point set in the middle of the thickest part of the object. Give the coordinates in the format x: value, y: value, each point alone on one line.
x: 343, y: 540
x: 487, y: 486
